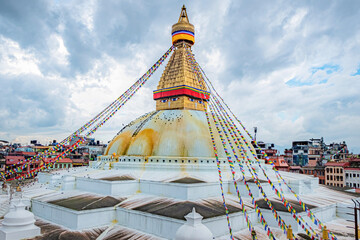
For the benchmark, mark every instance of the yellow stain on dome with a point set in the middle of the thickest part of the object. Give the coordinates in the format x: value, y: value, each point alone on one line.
x: 120, y: 144
x: 144, y: 141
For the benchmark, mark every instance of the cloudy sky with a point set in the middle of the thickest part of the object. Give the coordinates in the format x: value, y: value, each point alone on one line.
x: 291, y: 68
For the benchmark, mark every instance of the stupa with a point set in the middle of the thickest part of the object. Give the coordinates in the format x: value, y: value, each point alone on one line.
x: 162, y: 165
x: 18, y: 224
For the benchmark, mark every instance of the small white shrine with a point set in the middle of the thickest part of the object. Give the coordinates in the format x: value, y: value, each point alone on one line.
x: 18, y: 223
x: 193, y: 229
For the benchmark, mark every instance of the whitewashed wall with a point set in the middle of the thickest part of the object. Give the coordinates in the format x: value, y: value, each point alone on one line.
x: 166, y: 227
x: 325, y: 214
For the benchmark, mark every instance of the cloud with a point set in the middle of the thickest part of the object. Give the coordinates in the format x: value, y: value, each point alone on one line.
x: 288, y: 68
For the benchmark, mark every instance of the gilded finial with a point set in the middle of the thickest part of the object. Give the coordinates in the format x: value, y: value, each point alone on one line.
x: 289, y: 233
x: 183, y: 15
x: 183, y: 30
x: 325, y: 234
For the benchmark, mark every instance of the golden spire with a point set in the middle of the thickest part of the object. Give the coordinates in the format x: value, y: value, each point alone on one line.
x: 183, y: 15
x: 180, y: 87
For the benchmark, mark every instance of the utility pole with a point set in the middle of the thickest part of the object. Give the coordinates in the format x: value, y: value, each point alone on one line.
x: 255, y: 130
x: 356, y: 210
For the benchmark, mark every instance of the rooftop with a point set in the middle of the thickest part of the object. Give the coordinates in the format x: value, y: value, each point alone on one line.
x: 87, y: 202
x: 337, y: 164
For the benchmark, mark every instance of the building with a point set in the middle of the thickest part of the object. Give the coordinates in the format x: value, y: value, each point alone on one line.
x: 352, y: 173
x: 13, y: 162
x: 352, y: 177
x: 336, y: 152
x: 335, y: 173
x: 315, y: 153
x: 300, y: 152
x: 295, y: 169
x: 92, y: 149
x: 288, y: 156
x: 281, y: 164
x: 268, y: 148
x: 20, y: 155
x: 2, y: 164
x: 316, y: 171
x: 62, y: 163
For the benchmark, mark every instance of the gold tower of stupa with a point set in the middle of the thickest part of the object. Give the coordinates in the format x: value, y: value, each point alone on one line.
x: 179, y: 86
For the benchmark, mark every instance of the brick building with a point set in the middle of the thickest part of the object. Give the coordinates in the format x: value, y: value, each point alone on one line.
x: 317, y: 171
x: 280, y: 163
x: 335, y: 173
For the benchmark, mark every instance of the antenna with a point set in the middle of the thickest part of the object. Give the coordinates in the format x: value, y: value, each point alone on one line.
x: 255, y: 131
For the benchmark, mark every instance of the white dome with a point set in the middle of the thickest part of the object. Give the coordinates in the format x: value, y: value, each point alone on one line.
x: 193, y: 229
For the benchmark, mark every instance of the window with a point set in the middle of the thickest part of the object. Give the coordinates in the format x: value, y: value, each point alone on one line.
x: 341, y: 171
x: 337, y: 170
